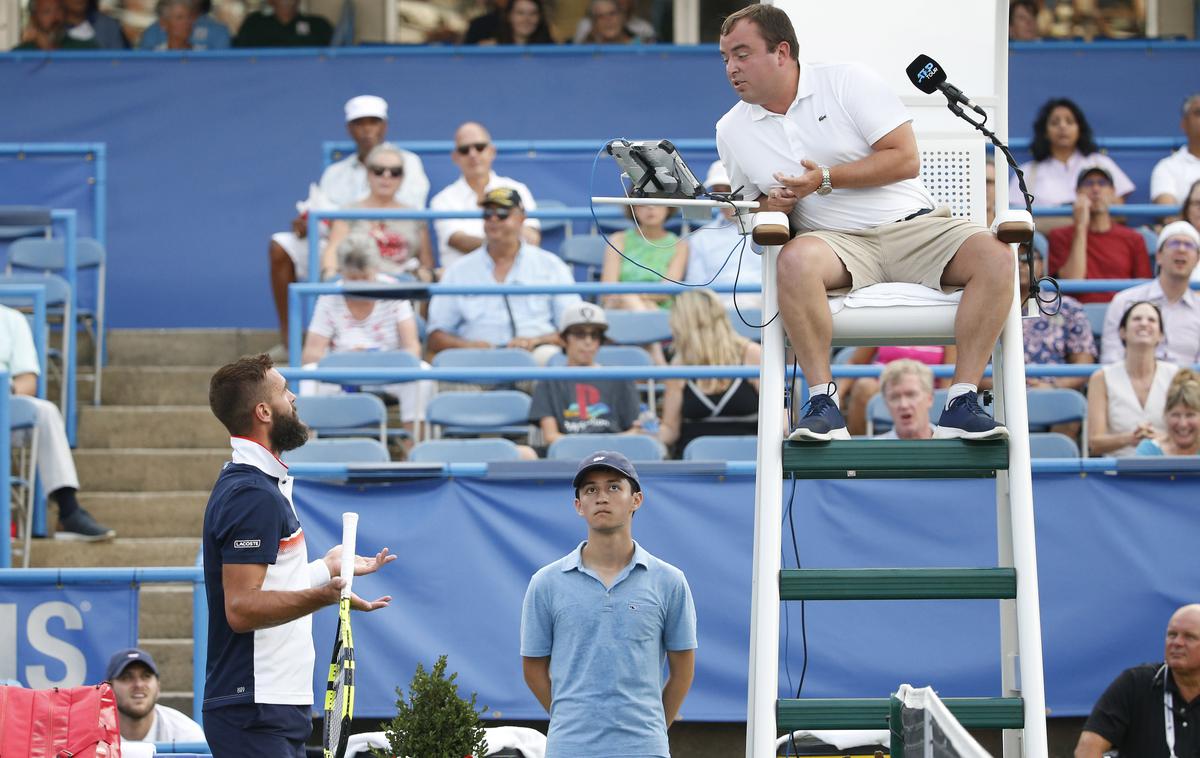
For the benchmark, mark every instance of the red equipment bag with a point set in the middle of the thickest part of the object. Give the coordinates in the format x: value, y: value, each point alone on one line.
x: 79, y: 722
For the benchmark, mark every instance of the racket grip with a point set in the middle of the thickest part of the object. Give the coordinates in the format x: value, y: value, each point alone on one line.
x: 349, y: 543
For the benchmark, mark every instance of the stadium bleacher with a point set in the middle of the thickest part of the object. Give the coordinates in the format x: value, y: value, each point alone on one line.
x: 183, y: 298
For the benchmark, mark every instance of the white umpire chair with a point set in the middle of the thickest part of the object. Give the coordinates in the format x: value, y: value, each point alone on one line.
x: 886, y: 37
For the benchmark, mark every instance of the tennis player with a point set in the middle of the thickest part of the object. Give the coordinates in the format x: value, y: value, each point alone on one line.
x: 261, y: 587
x: 598, y: 625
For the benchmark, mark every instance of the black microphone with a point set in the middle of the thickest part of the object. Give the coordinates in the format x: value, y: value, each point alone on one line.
x: 927, y: 75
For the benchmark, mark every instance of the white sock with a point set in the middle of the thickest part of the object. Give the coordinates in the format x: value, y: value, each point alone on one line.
x: 829, y: 388
x: 961, y: 388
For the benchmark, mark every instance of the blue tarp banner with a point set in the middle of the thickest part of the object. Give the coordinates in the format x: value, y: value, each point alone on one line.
x: 1116, y: 556
x: 63, y: 636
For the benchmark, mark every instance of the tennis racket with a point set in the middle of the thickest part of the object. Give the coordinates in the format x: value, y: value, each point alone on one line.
x: 339, y: 691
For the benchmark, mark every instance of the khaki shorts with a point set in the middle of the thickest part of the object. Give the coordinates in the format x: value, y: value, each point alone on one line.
x: 915, y: 251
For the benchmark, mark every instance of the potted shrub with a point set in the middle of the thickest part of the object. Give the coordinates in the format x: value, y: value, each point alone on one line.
x: 433, y: 721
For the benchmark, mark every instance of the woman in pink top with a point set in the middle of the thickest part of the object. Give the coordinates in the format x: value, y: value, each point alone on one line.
x: 858, y: 392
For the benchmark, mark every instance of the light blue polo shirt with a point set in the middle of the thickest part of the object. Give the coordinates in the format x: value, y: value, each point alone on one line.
x: 608, y: 650
x: 486, y: 317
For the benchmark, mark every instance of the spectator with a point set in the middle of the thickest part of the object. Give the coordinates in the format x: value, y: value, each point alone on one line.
x: 716, y: 254
x: 575, y: 406
x: 342, y: 184
x: 1191, y: 214
x: 47, y: 29
x: 1063, y: 146
x: 523, y: 23
x: 342, y: 324
x: 1065, y: 337
x: 1095, y: 246
x: 485, y: 26
x: 1182, y: 419
x: 1178, y: 252
x: 207, y: 32
x: 133, y: 675
x: 177, y: 19
x: 600, y: 624
x: 908, y: 391
x: 403, y: 244
x: 859, y: 391
x: 1181, y: 169
x: 521, y: 321
x: 85, y: 22
x: 55, y: 466
x: 646, y: 252
x: 612, y: 22
x: 1126, y: 399
x: 1129, y: 716
x: 703, y: 336
x: 282, y: 24
x: 1023, y: 21
x: 474, y: 155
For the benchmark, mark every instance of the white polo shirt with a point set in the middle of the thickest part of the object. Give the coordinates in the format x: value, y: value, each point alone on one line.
x: 345, y: 182
x: 1175, y: 174
x: 840, y: 110
x: 460, y: 197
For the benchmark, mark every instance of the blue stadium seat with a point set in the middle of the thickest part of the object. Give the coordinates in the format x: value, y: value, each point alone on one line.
x: 740, y: 315
x: 370, y: 359
x: 464, y: 451
x: 350, y: 415
x: 22, y: 420
x: 1095, y: 315
x: 341, y: 450
x: 1052, y: 445
x: 720, y: 448
x: 486, y: 357
x: 638, y: 327
x: 17, y: 221
x: 468, y: 414
x: 585, y: 253
x: 635, y: 447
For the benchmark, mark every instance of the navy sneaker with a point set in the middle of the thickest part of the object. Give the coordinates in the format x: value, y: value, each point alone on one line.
x: 964, y: 419
x: 823, y: 422
x: 81, y: 527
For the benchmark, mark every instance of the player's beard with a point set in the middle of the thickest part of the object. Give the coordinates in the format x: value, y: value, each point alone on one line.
x: 287, y: 433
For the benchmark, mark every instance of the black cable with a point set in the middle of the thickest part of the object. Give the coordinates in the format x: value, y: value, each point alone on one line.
x: 1054, y: 301
x: 740, y: 248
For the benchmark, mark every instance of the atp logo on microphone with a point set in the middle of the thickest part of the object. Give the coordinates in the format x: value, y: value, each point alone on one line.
x: 927, y: 72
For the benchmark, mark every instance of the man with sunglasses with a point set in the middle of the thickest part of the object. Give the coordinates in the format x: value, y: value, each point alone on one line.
x: 1096, y: 246
x: 474, y: 155
x: 342, y: 184
x: 521, y: 321
x: 575, y: 406
x: 1178, y: 252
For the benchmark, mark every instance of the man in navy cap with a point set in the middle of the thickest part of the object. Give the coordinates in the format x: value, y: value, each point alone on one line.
x: 598, y: 624
x: 134, y: 678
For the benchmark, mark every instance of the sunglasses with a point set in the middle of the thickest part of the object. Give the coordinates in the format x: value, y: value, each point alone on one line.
x: 1097, y: 182
x: 477, y: 146
x: 1179, y: 243
x: 584, y: 334
x: 500, y: 213
x: 394, y: 171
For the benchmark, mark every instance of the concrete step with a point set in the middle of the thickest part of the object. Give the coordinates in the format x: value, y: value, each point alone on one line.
x: 165, y: 610
x: 149, y: 514
x: 149, y: 470
x: 186, y: 347
x: 150, y: 426
x: 147, y: 385
x: 174, y: 659
x: 122, y: 551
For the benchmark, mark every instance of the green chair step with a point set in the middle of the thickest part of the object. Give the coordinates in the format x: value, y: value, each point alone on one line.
x: 898, y: 584
x: 895, y: 459
x: 872, y: 713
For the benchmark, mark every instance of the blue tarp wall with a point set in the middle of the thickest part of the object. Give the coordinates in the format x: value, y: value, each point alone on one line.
x: 209, y: 152
x: 1116, y: 554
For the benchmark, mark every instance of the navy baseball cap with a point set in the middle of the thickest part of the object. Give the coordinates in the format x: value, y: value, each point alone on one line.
x: 122, y: 658
x: 608, y: 459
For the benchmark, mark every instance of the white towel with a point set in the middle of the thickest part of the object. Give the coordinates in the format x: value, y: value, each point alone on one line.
x: 892, y: 293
